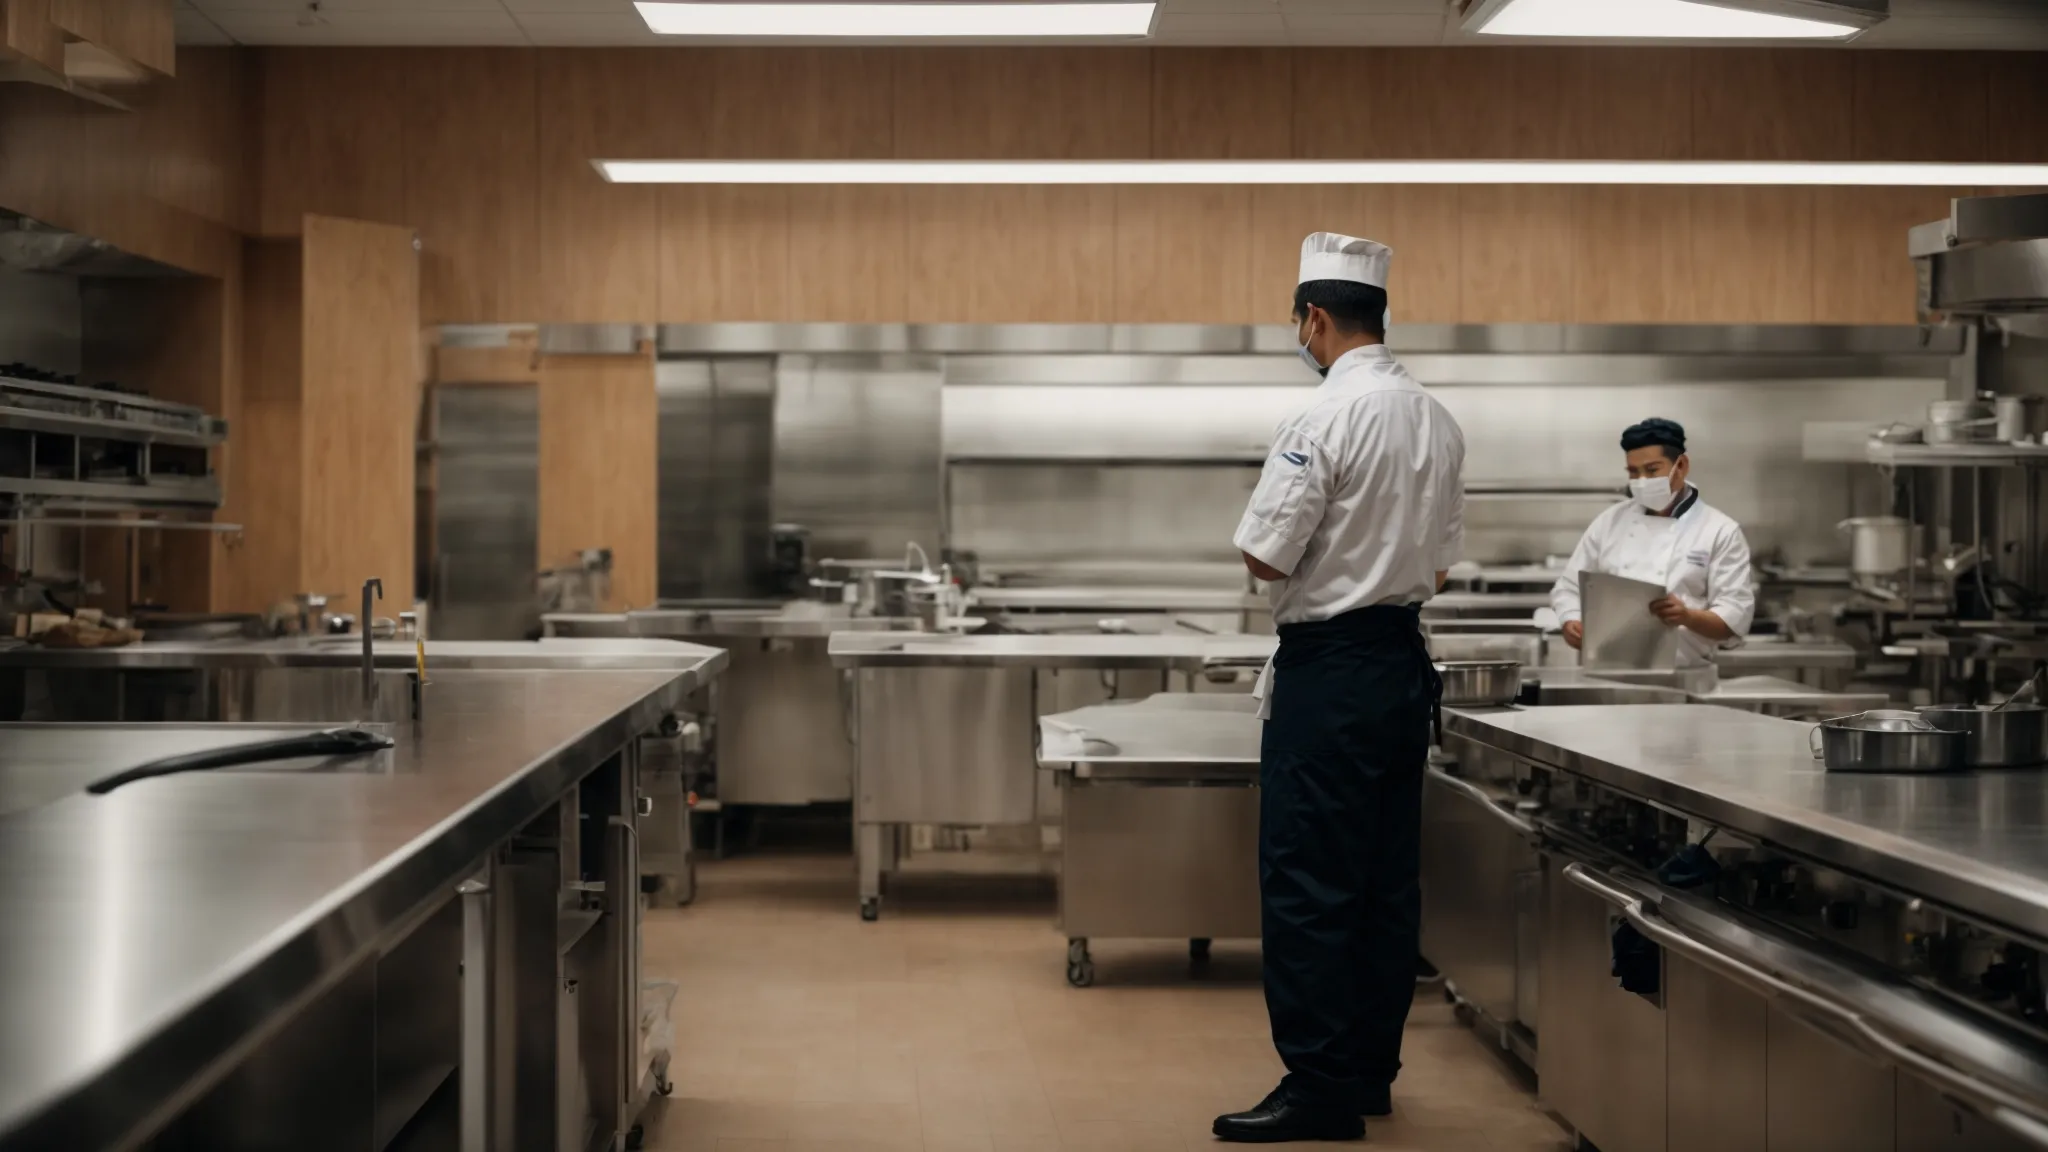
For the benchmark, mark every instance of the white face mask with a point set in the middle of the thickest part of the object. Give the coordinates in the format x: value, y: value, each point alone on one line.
x: 1309, y: 358
x: 1653, y: 493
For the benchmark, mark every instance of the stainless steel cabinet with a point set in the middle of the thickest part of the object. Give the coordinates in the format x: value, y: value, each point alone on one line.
x: 946, y: 746
x: 1601, y: 1064
x: 782, y: 735
x: 1716, y: 1079
x: 1473, y: 865
x: 1172, y: 857
x: 1929, y: 1123
x: 1824, y: 1097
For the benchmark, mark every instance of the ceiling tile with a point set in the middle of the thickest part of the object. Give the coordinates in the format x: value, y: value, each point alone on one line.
x: 333, y: 9
x: 1433, y: 9
x: 1187, y: 7
x: 572, y: 7
x: 194, y: 28
x: 367, y: 28
x: 1332, y: 28
x: 593, y: 28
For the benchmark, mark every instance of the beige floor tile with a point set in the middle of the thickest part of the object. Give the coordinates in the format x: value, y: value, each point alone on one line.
x: 947, y: 1026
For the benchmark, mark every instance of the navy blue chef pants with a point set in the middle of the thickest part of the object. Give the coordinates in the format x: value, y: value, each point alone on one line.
x: 1340, y: 821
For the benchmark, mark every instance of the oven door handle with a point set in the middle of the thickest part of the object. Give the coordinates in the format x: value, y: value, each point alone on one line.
x: 2008, y: 1110
x: 1477, y: 795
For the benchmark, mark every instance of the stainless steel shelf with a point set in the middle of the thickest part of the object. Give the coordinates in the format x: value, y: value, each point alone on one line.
x: 1959, y: 455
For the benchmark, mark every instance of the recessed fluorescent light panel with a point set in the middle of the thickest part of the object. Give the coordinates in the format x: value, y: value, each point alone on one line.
x: 1316, y: 172
x: 1674, y: 19
x: 900, y: 21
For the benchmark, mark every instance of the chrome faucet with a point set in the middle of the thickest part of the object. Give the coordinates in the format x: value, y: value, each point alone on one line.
x: 373, y: 590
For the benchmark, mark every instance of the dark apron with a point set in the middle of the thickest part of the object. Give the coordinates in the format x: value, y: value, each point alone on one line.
x: 1340, y: 820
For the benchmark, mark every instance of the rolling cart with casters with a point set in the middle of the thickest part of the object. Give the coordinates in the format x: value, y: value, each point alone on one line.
x: 1159, y: 822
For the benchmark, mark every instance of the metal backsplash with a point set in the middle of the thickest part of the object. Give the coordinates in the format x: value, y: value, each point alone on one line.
x: 1098, y: 442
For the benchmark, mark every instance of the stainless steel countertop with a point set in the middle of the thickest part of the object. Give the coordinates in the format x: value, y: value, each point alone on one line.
x: 1187, y: 652
x: 553, y: 653
x: 1775, y: 692
x: 1118, y: 598
x: 1975, y: 841
x: 1506, y: 603
x: 1762, y: 654
x: 154, y: 928
x: 1172, y: 728
x: 672, y: 623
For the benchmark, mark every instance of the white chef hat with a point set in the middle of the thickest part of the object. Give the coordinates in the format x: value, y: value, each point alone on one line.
x: 1334, y: 256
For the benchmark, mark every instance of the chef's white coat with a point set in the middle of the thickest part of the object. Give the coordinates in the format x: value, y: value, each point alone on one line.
x: 1362, y: 499
x: 1699, y: 555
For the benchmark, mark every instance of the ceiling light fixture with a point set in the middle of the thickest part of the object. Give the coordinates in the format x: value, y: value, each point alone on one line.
x: 1676, y: 19
x: 887, y: 21
x: 1317, y: 172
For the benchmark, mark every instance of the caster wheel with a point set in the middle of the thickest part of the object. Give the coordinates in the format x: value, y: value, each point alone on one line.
x: 1081, y: 974
x: 871, y: 909
x: 1198, y: 950
x: 1463, y: 1014
x: 636, y: 1138
x: 663, y: 1086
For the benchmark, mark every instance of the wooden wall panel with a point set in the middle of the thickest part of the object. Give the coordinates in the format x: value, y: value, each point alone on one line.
x: 470, y: 177
x: 265, y: 478
x: 1632, y: 258
x: 168, y: 180
x: 1007, y: 252
x: 333, y: 122
x: 597, y: 257
x: 824, y: 103
x: 848, y: 253
x: 2017, y: 131
x: 1417, y: 104
x: 142, y: 31
x: 1420, y: 223
x: 1633, y: 103
x: 359, y: 406
x: 724, y: 253
x: 1921, y: 106
x: 597, y: 467
x: 985, y: 103
x: 1774, y: 104
x: 1183, y: 253
x: 1517, y: 256
x: 1222, y: 103
x: 29, y: 33
x: 1752, y: 255
x: 1861, y: 272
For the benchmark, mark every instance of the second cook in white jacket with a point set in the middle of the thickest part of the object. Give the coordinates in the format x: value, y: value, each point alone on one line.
x: 1665, y: 534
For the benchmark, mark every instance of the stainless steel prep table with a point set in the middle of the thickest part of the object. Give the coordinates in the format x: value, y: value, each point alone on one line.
x: 1795, y: 1009
x: 1159, y: 821
x: 778, y: 730
x: 944, y: 727
x: 320, y: 681
x: 177, y: 922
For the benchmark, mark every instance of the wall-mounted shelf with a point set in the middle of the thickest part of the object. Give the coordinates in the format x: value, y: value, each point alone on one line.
x: 1959, y: 455
x: 63, y: 442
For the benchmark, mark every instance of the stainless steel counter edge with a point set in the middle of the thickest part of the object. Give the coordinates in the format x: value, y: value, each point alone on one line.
x: 147, y: 1083
x: 554, y: 654
x: 1897, y: 862
x: 935, y: 650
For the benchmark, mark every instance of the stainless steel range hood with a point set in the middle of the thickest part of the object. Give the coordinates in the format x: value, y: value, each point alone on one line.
x: 28, y: 245
x: 1988, y: 258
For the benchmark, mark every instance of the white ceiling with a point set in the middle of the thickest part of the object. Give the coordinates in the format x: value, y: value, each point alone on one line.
x: 2001, y: 24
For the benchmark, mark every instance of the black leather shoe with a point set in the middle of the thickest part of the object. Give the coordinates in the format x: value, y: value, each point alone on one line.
x: 1377, y: 1102
x: 1278, y: 1120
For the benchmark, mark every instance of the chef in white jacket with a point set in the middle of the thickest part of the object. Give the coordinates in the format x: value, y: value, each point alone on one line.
x: 1665, y: 534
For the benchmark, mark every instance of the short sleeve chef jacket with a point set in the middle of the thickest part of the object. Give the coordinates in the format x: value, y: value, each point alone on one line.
x: 1699, y: 555
x: 1362, y: 499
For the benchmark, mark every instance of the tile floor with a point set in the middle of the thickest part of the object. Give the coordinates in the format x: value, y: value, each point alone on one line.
x: 948, y: 1026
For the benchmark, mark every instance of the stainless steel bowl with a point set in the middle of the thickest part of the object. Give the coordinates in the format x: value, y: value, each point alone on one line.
x: 1881, y: 744
x: 2009, y: 738
x: 1477, y: 683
